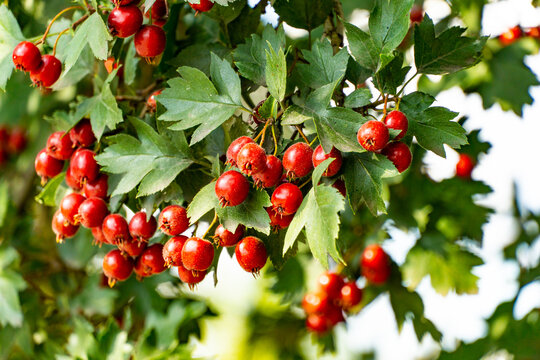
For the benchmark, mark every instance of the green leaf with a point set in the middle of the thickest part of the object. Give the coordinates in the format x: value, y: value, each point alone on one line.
x: 358, y: 98
x: 152, y: 162
x: 251, y: 213
x: 10, y: 306
x: 4, y: 202
x: 226, y: 11
x: 392, y: 75
x: 362, y: 47
x: 389, y: 23
x: 276, y: 73
x: 202, y: 203
x: 48, y: 196
x: 131, y: 62
x: 10, y: 36
x: 324, y: 67
x: 446, y: 53
x: 294, y: 115
x: 303, y: 14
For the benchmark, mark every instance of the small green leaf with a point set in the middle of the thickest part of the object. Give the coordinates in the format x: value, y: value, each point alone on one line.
x: 295, y: 115
x: 389, y: 23
x: 276, y: 73
x: 48, y: 195
x: 131, y: 62
x: 362, y: 47
x: 4, y: 202
x: 324, y: 67
x: 303, y: 14
x: 202, y: 203
x: 392, y: 75
x: 250, y: 213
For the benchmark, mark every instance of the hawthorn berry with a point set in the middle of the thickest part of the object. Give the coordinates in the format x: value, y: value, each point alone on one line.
x: 286, y: 199
x: 91, y: 212
x: 399, y: 154
x: 331, y: 284
x: 97, y: 188
x: 197, y: 254
x: 125, y: 21
x: 202, y: 6
x: 84, y: 167
x: 69, y: 207
x: 464, y: 166
x: 534, y: 32
x: 47, y: 73
x: 231, y: 188
x: 150, y: 41
x: 375, y: 264
x: 4, y: 156
x: 132, y: 247
x: 99, y: 238
x: 62, y: 228
x: 16, y: 141
x: 141, y: 228
x: 160, y: 11
x: 317, y: 323
x: 251, y: 159
x: 72, y: 182
x: 277, y: 221
x: 46, y: 166
x: 235, y: 147
x: 350, y: 295
x: 151, y: 259
x: 417, y: 14
x: 511, y: 35
x: 339, y: 185
x: 172, y: 250
x: 319, y: 155
x: 316, y: 303
x: 297, y: 160
x: 116, y: 266
x: 60, y: 146
x: 124, y: 2
x: 398, y: 121
x: 115, y: 228
x: 271, y: 175
x: 251, y: 254
x: 190, y: 277
x: 110, y: 64
x: 81, y: 134
x: 225, y: 238
x: 26, y: 56
x: 151, y: 102
x: 373, y: 135
x: 173, y: 220
x: 334, y: 315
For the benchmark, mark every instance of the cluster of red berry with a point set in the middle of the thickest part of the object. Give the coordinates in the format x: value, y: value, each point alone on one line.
x: 515, y: 33
x: 44, y: 70
x: 334, y: 296
x: 374, y: 136
x: 12, y: 142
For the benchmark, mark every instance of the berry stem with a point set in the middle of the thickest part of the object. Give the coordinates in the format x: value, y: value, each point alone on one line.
x: 302, y: 134
x: 58, y: 38
x: 211, y: 225
x: 275, y: 140
x: 263, y: 132
x: 405, y: 85
x: 385, y: 105
x: 305, y: 183
x: 78, y: 7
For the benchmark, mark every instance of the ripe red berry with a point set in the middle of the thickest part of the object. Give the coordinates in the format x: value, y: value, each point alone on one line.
x: 232, y: 188
x: 417, y: 13
x: 26, y: 56
x: 234, y: 148
x: 286, y: 199
x: 72, y: 182
x: 190, y: 277
x: 47, y: 73
x: 4, y: 135
x: 62, y: 228
x: 91, y: 212
x: 17, y: 141
x: 373, y: 135
x: 271, y: 175
x: 140, y: 270
x: 251, y: 254
x: 331, y: 284
x: 224, y: 237
x: 316, y: 303
x: 350, y: 295
x: 297, y: 160
x: 251, y: 159
x: 46, y: 166
x: 511, y: 35
x: 97, y: 188
x: 4, y: 156
x: 399, y: 154
x: 197, y: 254
x: 82, y: 135
x: 60, y: 146
x: 160, y: 10
x: 172, y: 250
x: 202, y: 6
x: 110, y: 64
x: 99, y: 238
x: 151, y: 259
x: 464, y: 166
x: 398, y: 121
x: 375, y: 264
x: 150, y: 41
x: 334, y: 315
x: 173, y: 220
x: 124, y: 21
x: 317, y: 323
x: 319, y: 155
x: 69, y: 207
x: 277, y: 221
x: 116, y: 266
x: 132, y: 247
x: 534, y: 32
x: 141, y: 228
x: 115, y: 228
x: 124, y: 2
x: 151, y: 102
x: 340, y: 186
x: 83, y: 166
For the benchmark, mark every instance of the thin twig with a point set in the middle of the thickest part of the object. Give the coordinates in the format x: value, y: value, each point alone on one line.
x: 302, y: 134
x: 211, y: 225
x: 275, y: 140
x: 56, y: 18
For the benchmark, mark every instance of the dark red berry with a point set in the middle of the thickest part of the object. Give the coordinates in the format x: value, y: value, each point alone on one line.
x: 251, y: 159
x: 464, y: 166
x: 534, y: 32
x: 72, y: 182
x: 511, y: 35
x: 397, y: 120
x: 277, y: 221
x: 83, y: 166
x: 150, y: 41
x: 141, y: 228
x: 26, y: 56
x: 286, y: 199
x: 97, y: 188
x: 125, y: 21
x: 251, y: 254
x: 317, y: 323
x: 373, y: 135
x: 190, y: 277
x: 125, y: 2
x: 46, y: 166
x: 47, y: 73
x: 375, y: 264
x: 99, y: 238
x: 17, y: 141
x: 297, y: 160
x: 417, y: 14
x: 319, y: 155
x: 116, y: 266
x: 334, y: 315
x: 160, y: 11
x: 132, y: 247
x: 173, y: 220
x: 91, y: 212
x: 115, y: 228
x: 234, y: 148
x: 197, y: 254
x: 316, y: 303
x: 152, y: 259
x: 172, y: 250
x: 62, y: 228
x: 232, y: 188
x: 60, y: 146
x: 350, y: 295
x: 69, y: 207
x: 340, y: 186
x: 202, y: 6
x: 271, y: 175
x: 399, y: 154
x: 331, y: 284
x: 224, y: 237
x: 151, y: 102
x: 82, y: 135
x: 4, y: 156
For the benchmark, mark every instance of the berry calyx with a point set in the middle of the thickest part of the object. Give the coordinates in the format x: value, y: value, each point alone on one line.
x: 464, y: 166
x: 132, y: 247
x: 234, y: 148
x: 60, y: 146
x: 151, y: 102
x: 115, y: 228
x: 375, y: 264
x: 26, y: 56
x: 350, y: 295
x: 202, y: 6
x: 373, y: 135
x: 83, y: 166
x: 69, y: 207
x: 97, y: 188
x: 91, y: 212
x: 286, y: 199
x: 277, y: 221
x: 314, y: 303
x: 251, y: 254
x: 319, y: 155
x: 47, y: 73
x: 231, y: 188
x: 398, y: 121
x: 82, y: 135
x: 190, y: 277
x: 46, y: 166
x: 511, y: 35
x: 99, y: 238
x: 173, y: 220
x: 141, y: 228
x: 399, y: 154
x: 331, y: 284
x: 271, y: 175
x: 297, y: 160
x: 317, y: 323
x: 62, y: 228
x: 124, y: 21
x: 151, y: 259
x: 251, y: 159
x: 197, y: 254
x: 225, y: 238
x: 116, y: 266
x: 150, y: 42
x: 172, y: 250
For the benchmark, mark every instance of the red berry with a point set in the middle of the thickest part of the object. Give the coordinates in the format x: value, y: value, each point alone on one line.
x: 234, y: 148
x: 97, y: 188
x: 140, y: 270
x: 46, y: 166
x: 224, y: 237
x: 271, y: 175
x: 115, y: 228
x: 26, y: 56
x: 116, y: 266
x: 534, y: 32
x: 251, y: 254
x: 417, y: 13
x: 375, y: 264
x: 151, y: 102
x: 72, y: 182
x: 91, y: 212
x: 331, y: 284
x: 4, y: 156
x: 399, y: 154
x: 251, y: 159
x: 511, y: 35
x: 17, y: 141
x: 99, y: 238
x: 232, y: 188
x: 60, y: 146
x: 202, y: 6
x: 124, y: 21
x: 48, y: 72
x: 150, y: 41
x: 340, y: 186
x: 297, y: 160
x: 82, y: 135
x: 277, y: 221
x: 160, y: 10
x: 316, y: 303
x: 334, y: 315
x: 373, y: 135
x: 398, y: 121
x: 190, y: 277
x: 197, y: 254
x: 62, y: 228
x: 173, y: 220
x: 83, y: 166
x: 124, y: 2
x: 132, y: 247
x: 141, y: 228
x: 350, y: 295
x: 317, y: 323
x: 69, y: 207
x: 319, y: 155
x: 110, y: 64
x: 152, y: 259
x: 172, y: 250
x: 464, y: 166
x: 286, y: 199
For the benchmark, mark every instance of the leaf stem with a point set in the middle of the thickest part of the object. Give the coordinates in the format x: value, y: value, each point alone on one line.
x: 405, y: 85
x: 263, y: 132
x: 305, y: 183
x: 56, y: 18
x: 302, y: 134
x: 211, y: 225
x: 58, y: 38
x: 275, y: 140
